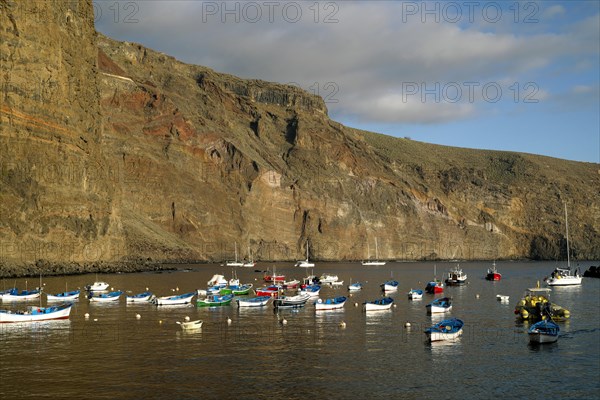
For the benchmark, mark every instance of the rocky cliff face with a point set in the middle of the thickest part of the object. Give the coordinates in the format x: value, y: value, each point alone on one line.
x: 126, y: 153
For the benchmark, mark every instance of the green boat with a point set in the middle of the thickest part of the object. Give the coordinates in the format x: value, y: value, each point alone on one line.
x: 241, y: 290
x: 215, y: 301
x: 226, y: 290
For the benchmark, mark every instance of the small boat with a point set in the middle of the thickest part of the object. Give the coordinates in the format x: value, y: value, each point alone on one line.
x: 384, y: 303
x: 544, y: 331
x: 217, y: 280
x: 415, y: 294
x: 241, y: 290
x: 97, y: 286
x: 215, y: 301
x: 439, y: 306
x: 311, y: 290
x: 536, y: 303
x: 106, y: 297
x: 174, y: 300
x: 274, y: 277
x: 434, y: 287
x: 493, y: 274
x: 328, y: 278
x: 293, y: 284
x: 259, y: 301
x: 355, y: 286
x: 190, y: 325
x: 291, y: 301
x: 456, y: 277
x: 250, y: 263
x: 330, y: 304
x: 449, y: 329
x: 337, y: 283
x: 23, y: 295
x: 271, y: 291
x: 305, y: 263
x: 37, y: 314
x: 73, y: 295
x: 235, y: 263
x: 565, y: 276
x: 139, y: 298
x: 375, y: 262
x: 502, y: 298
x: 389, y: 286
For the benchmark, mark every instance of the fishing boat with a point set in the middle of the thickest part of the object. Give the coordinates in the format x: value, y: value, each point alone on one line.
x: 33, y: 314
x: 23, y: 295
x: 493, y: 274
x: 415, y: 294
x: 384, y: 303
x: 439, y: 306
x: 241, y: 290
x: 456, y: 277
x: 293, y: 284
x: 259, y: 301
x: 217, y: 280
x: 273, y: 277
x: 434, y: 287
x: 291, y: 301
x: 544, y: 331
x: 140, y: 297
x: 536, y: 303
x: 271, y: 291
x: 106, y: 297
x: 235, y: 263
x: 565, y: 276
x: 328, y: 278
x: 190, y: 325
x: 311, y: 290
x: 215, y: 301
x: 97, y: 286
x: 72, y: 295
x: 330, y: 304
x: 389, y: 286
x: 184, y: 298
x: 502, y: 298
x: 305, y: 263
x: 448, y: 329
x: 355, y: 286
x: 375, y: 262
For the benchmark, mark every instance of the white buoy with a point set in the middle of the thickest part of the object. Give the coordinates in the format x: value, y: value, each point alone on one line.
x: 187, y: 319
x: 284, y: 321
x: 407, y: 324
x: 477, y: 295
x: 87, y: 315
x: 138, y: 316
x: 177, y: 288
x: 355, y: 304
x: 95, y: 319
x: 342, y: 324
x: 228, y: 321
x: 147, y: 288
x: 395, y: 305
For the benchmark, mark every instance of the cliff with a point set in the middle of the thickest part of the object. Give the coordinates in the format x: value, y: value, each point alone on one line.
x: 113, y: 152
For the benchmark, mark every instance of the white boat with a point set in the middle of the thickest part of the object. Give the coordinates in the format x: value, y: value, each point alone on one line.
x: 456, y: 277
x: 337, y: 283
x: 384, y: 303
x: 36, y: 314
x: 23, y: 295
x: 565, y: 276
x: 174, y: 300
x: 190, y: 325
x: 217, y: 280
x: 305, y: 263
x: 259, y: 301
x: 439, y: 306
x: 502, y: 298
x: 330, y: 304
x: 235, y: 263
x: 106, y: 297
x: 370, y: 262
x: 449, y: 329
x: 65, y: 296
x: 390, y: 286
x: 97, y: 286
x: 291, y: 301
x: 311, y: 290
x: 251, y: 263
x: 355, y: 286
x: 415, y: 294
x: 328, y: 278
x: 140, y: 298
x: 544, y: 331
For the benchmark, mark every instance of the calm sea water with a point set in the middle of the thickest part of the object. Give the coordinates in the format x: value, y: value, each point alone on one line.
x: 374, y: 356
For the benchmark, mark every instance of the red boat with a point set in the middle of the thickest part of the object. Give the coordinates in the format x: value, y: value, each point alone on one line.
x: 272, y: 291
x: 434, y: 287
x: 274, y: 277
x: 493, y: 274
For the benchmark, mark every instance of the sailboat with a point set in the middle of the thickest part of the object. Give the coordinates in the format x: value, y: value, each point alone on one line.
x: 235, y: 263
x: 305, y: 263
x: 564, y: 276
x: 376, y: 261
x: 250, y: 263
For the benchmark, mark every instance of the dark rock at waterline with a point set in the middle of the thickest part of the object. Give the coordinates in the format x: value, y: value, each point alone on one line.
x: 592, y: 272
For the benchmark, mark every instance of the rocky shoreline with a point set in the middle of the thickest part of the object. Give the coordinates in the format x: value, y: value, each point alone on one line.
x: 46, y: 268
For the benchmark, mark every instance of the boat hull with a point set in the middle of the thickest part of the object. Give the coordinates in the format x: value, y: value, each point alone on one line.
x: 63, y: 297
x: 28, y: 297
x: 34, y: 315
x: 493, y: 276
x: 260, y: 301
x: 449, y: 329
x: 330, y: 304
x: 438, y: 309
x: 172, y: 301
x: 106, y: 298
x: 139, y: 299
x: 538, y: 337
x: 564, y: 281
x: 373, y: 263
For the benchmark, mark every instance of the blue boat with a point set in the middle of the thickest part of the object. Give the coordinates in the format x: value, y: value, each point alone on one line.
x: 312, y: 290
x: 330, y: 304
x: 355, y: 286
x: 545, y: 331
x: 389, y: 286
x: 259, y: 301
x: 379, y: 304
x: 448, y: 329
x: 441, y: 305
x: 65, y: 296
x: 14, y: 295
x: 415, y: 294
x: 140, y: 297
x: 106, y: 297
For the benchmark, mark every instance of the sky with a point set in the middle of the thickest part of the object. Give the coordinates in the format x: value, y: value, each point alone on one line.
x: 504, y: 75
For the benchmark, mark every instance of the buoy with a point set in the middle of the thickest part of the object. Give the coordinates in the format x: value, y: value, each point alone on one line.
x: 187, y: 318
x: 477, y: 295
x: 138, y: 316
x: 284, y: 321
x: 160, y: 321
x: 395, y: 305
x: 177, y: 288
x: 355, y: 304
x: 228, y: 321
x: 95, y: 319
x: 147, y: 288
x: 407, y: 324
x: 87, y: 315
x: 342, y: 324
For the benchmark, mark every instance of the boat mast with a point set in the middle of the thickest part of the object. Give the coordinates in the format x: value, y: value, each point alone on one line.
x: 567, y: 227
x: 376, y: 250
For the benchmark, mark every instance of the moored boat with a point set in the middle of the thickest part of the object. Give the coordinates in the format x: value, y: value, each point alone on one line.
x: 355, y: 286
x: 439, y: 306
x: 311, y: 290
x: 140, y: 297
x: 389, y: 286
x: 271, y: 291
x: 536, y: 303
x: 106, y: 297
x: 217, y: 280
x: 215, y: 301
x: 184, y: 298
x: 545, y: 331
x: 328, y: 278
x: 384, y: 303
x: 493, y: 274
x: 330, y: 304
x: 273, y: 277
x: 97, y: 286
x: 33, y: 314
x: 259, y: 301
x: 434, y: 287
x: 241, y: 290
x: 190, y: 325
x: 72, y: 295
x: 293, y: 284
x: 415, y: 294
x: 23, y: 295
x: 565, y: 276
x: 456, y: 277
x: 305, y: 263
x: 291, y: 301
x: 449, y: 329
